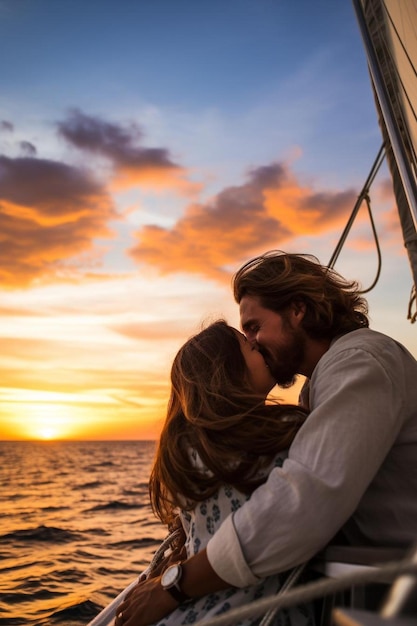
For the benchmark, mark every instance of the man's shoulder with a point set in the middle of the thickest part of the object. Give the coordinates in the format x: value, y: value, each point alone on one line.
x: 362, y: 338
x: 366, y: 340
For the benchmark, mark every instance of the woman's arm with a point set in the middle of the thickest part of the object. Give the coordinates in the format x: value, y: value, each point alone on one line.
x: 148, y: 602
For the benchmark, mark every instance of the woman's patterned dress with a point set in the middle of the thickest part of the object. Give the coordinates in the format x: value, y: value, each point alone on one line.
x: 200, y: 524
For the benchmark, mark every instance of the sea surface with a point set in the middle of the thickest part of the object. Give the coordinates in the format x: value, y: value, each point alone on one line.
x: 76, y: 527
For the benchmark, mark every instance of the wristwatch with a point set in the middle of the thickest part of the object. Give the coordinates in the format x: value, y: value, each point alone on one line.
x: 170, y: 581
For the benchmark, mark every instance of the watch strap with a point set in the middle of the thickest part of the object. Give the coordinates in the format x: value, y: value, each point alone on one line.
x: 174, y: 588
x: 177, y: 594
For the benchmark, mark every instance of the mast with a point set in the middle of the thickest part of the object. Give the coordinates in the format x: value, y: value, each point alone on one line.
x: 388, y: 29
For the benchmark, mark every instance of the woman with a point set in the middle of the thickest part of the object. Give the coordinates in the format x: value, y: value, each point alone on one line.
x: 219, y: 442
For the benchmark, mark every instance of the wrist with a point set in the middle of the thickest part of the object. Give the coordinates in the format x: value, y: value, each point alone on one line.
x: 171, y: 581
x: 199, y: 578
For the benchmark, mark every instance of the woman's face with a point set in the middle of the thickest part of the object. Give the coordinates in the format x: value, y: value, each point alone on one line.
x: 260, y: 377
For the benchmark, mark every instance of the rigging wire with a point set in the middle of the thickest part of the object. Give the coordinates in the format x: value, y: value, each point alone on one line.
x: 363, y: 197
x: 314, y: 590
x: 413, y: 302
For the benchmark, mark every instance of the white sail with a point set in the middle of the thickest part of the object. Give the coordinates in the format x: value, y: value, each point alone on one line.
x: 401, y: 25
x: 389, y: 32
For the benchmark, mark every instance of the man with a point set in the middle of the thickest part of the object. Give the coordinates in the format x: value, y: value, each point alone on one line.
x: 353, y: 464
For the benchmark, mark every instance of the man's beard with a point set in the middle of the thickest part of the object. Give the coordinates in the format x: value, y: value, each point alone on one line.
x: 285, y: 360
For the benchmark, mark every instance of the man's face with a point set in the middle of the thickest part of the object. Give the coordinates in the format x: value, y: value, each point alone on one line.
x: 277, y: 336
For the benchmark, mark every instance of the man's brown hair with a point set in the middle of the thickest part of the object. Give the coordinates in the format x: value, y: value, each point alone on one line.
x: 334, y: 305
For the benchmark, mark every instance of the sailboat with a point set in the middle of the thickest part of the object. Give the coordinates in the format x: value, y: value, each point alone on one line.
x: 389, y: 33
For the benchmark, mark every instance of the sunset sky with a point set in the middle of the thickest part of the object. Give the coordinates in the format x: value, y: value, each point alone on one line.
x: 147, y: 149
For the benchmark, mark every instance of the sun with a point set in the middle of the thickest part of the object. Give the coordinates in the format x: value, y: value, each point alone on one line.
x: 48, y: 433
x: 49, y: 421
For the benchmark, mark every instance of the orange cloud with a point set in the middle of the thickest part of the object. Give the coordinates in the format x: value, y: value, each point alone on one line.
x: 50, y: 213
x: 267, y: 211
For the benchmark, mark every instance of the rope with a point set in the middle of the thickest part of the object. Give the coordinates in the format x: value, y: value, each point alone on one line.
x: 363, y: 196
x: 413, y: 303
x: 160, y: 552
x: 289, y: 582
x: 377, y: 246
x: 313, y: 591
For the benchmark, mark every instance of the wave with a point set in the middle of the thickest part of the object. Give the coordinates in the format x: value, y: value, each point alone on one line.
x: 41, y: 533
x: 94, y: 484
x: 116, y: 505
x: 140, y: 490
x: 10, y: 568
x: 96, y: 467
x: 12, y: 497
x: 52, y: 509
x: 99, y: 532
x: 135, y: 543
x: 82, y: 610
x: 15, y: 597
x: 70, y: 575
x: 71, y: 546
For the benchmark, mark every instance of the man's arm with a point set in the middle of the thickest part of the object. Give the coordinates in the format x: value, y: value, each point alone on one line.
x: 355, y: 419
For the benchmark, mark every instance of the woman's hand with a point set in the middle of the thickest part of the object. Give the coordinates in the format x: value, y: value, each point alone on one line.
x: 145, y: 604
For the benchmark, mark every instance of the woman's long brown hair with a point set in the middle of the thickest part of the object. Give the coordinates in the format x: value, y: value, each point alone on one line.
x: 213, y: 411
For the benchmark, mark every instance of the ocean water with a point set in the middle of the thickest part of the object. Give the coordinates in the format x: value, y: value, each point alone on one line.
x: 75, y: 527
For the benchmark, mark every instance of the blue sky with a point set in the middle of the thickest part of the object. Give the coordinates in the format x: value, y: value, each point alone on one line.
x: 147, y: 149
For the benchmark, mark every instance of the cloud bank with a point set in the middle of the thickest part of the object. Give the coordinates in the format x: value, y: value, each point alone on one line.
x: 52, y: 212
x: 266, y: 212
x: 133, y: 163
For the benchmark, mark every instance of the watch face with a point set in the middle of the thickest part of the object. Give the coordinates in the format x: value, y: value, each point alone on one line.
x: 171, y: 575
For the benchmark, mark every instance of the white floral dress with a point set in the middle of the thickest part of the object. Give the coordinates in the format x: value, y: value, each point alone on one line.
x: 199, y: 525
